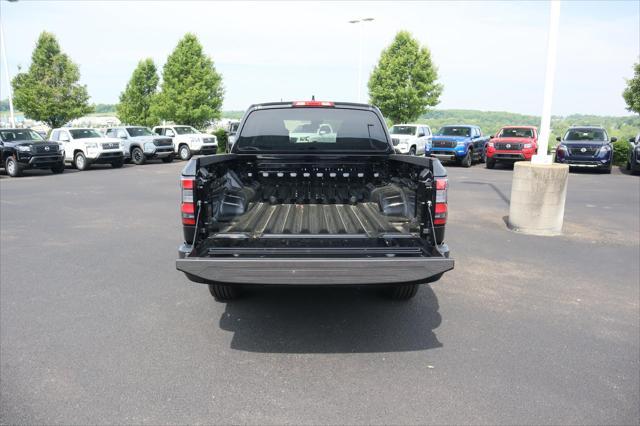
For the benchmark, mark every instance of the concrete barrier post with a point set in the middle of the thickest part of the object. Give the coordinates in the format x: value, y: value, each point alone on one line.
x: 538, y: 194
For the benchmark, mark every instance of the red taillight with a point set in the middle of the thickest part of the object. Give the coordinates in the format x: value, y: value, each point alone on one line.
x: 442, y: 187
x: 313, y: 104
x: 187, y: 208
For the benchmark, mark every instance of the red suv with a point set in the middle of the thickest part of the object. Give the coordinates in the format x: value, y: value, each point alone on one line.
x: 512, y: 143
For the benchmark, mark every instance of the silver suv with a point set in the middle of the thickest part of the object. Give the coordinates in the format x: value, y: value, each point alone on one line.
x: 140, y: 144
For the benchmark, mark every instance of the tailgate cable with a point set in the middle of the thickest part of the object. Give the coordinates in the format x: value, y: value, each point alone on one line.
x: 195, y: 231
x: 433, y: 229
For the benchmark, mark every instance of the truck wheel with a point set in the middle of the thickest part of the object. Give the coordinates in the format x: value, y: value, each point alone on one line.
x: 58, y: 168
x: 137, y: 156
x: 117, y: 164
x: 12, y: 167
x: 223, y: 293
x: 184, y: 152
x: 466, y: 161
x: 491, y: 163
x: 168, y: 159
x: 403, y: 292
x: 412, y: 151
x: 80, y: 161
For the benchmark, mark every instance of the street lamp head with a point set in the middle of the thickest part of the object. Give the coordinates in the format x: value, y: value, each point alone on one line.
x: 355, y: 21
x: 364, y: 20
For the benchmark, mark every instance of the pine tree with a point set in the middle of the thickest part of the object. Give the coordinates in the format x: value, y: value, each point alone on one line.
x: 631, y: 93
x: 135, y: 101
x: 49, y: 91
x: 192, y: 91
x: 404, y: 83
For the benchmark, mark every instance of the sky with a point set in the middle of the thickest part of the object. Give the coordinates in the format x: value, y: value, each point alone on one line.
x: 490, y: 55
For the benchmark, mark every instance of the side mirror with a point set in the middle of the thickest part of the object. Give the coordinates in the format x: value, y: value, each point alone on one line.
x: 491, y: 137
x: 614, y: 139
x: 421, y: 134
x: 558, y: 139
x: 632, y: 140
x: 123, y: 137
x: 64, y: 138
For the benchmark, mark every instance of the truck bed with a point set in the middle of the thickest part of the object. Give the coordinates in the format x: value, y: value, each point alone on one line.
x: 358, y: 220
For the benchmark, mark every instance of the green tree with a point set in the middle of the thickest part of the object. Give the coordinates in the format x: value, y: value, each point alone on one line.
x: 136, y: 100
x: 404, y: 83
x: 192, y: 91
x: 631, y: 94
x: 49, y: 91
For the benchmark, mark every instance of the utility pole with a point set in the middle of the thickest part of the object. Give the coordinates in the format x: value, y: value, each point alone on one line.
x: 539, y: 188
x: 360, y: 21
x: 12, y: 119
x: 552, y: 48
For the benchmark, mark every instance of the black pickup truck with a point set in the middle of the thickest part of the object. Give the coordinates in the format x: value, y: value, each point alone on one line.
x: 313, y: 194
x: 22, y: 149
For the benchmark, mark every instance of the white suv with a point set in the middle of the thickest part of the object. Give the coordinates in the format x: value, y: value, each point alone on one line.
x: 84, y: 147
x: 412, y: 139
x: 188, y: 141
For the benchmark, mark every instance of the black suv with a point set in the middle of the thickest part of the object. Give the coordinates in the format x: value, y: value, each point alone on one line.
x: 586, y: 147
x: 22, y: 149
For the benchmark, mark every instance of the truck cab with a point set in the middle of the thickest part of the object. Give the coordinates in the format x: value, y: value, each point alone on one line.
x: 84, y: 147
x: 462, y: 144
x: 188, y: 141
x: 512, y: 143
x: 412, y: 139
x: 141, y: 145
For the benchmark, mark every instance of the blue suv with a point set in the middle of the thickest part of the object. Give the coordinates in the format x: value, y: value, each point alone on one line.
x: 462, y: 144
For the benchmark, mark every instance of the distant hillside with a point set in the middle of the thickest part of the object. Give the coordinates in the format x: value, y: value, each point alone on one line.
x: 233, y: 115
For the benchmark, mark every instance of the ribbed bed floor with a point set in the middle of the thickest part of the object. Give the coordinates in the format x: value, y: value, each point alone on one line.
x: 315, y: 219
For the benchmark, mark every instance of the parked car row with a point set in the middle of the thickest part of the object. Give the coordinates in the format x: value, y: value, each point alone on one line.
x: 23, y: 149
x: 580, y: 147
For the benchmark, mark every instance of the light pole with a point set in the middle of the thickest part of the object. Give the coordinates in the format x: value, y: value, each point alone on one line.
x: 360, y: 21
x: 552, y: 47
x: 539, y: 188
x: 12, y: 119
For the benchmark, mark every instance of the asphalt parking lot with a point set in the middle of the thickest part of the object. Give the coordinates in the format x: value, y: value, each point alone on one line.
x: 97, y: 326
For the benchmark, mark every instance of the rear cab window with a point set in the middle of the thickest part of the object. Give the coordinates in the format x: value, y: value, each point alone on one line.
x: 295, y: 129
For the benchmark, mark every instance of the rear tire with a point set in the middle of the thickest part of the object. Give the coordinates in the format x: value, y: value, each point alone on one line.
x: 168, y: 159
x: 117, y: 164
x: 184, y: 152
x: 491, y: 163
x: 402, y: 292
x: 57, y: 169
x: 223, y: 293
x: 80, y: 161
x: 137, y: 156
x: 12, y: 167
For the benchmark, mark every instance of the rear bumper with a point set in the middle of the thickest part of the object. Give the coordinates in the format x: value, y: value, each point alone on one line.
x: 313, y: 271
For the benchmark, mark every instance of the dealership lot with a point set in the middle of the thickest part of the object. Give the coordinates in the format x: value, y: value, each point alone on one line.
x: 97, y: 326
